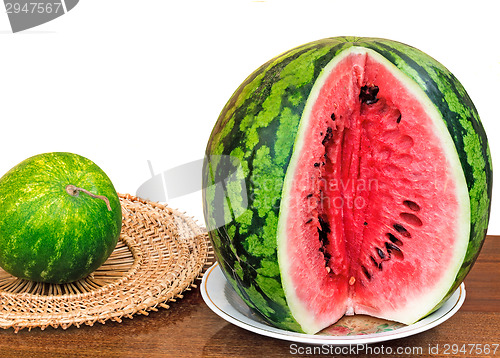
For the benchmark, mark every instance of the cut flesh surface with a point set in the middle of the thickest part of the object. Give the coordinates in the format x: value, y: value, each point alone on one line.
x: 375, y: 211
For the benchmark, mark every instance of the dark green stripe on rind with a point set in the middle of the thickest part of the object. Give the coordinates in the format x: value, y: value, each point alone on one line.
x: 253, y: 140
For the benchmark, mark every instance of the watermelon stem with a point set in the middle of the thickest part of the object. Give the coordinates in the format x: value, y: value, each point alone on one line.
x: 74, y: 191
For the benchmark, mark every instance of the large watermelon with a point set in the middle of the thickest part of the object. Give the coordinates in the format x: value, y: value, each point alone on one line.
x: 358, y: 181
x: 60, y: 218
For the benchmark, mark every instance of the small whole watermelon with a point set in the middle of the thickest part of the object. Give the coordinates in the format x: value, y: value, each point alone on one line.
x: 60, y: 218
x: 347, y: 176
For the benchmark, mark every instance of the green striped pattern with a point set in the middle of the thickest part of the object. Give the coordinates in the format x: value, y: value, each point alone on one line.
x: 48, y: 235
x: 257, y: 128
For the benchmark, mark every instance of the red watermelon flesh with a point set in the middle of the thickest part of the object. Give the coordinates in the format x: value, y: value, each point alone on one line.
x: 376, y: 205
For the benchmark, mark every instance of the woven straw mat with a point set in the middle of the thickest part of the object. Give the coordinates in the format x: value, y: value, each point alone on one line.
x: 160, y: 254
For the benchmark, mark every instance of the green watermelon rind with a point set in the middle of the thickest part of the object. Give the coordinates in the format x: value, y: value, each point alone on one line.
x: 256, y: 126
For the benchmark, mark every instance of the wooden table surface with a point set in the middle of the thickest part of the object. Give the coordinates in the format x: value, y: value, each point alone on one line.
x: 190, y: 329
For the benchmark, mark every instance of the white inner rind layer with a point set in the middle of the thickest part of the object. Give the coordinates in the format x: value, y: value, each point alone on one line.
x: 419, y: 306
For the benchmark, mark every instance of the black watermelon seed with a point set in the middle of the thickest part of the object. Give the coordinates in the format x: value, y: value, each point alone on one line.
x: 380, y: 253
x: 328, y: 135
x: 392, y: 249
x: 368, y: 94
x: 365, y: 223
x: 394, y: 239
x: 411, y: 205
x: 323, y: 231
x: 308, y: 196
x: 399, y: 119
x: 333, y: 116
x: 367, y: 274
x: 374, y: 261
x: 316, y: 165
x: 402, y: 230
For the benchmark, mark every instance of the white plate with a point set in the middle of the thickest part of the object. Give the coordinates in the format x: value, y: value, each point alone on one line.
x: 223, y: 300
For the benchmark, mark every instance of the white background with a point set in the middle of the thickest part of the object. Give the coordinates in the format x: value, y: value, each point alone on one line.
x: 126, y: 82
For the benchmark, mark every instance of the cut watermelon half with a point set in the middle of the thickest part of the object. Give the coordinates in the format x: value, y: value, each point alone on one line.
x: 375, y: 208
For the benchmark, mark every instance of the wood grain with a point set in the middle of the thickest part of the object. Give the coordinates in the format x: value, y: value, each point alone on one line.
x: 190, y: 329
